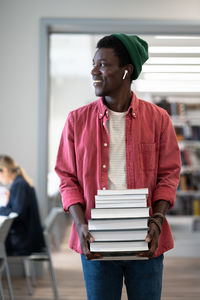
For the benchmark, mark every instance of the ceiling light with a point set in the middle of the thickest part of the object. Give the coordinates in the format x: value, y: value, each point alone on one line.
x: 175, y: 37
x: 171, y: 68
x: 167, y: 86
x: 174, y: 60
x: 171, y: 76
x: 172, y: 49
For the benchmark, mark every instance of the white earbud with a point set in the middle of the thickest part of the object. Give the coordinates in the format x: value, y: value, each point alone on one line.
x: 125, y: 72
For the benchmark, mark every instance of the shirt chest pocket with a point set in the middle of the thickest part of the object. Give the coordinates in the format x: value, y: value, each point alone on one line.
x: 148, y: 156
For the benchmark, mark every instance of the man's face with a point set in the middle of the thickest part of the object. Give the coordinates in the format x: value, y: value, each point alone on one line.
x: 106, y: 73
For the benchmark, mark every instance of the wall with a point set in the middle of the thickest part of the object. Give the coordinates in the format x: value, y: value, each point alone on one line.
x: 19, y: 67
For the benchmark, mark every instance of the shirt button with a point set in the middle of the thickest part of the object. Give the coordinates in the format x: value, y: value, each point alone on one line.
x: 104, y: 188
x: 105, y: 144
x: 100, y: 115
x: 104, y: 166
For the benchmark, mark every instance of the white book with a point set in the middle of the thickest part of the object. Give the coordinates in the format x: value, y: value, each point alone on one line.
x: 113, y: 213
x: 119, y: 235
x: 123, y: 192
x: 121, y: 257
x: 120, y: 224
x: 121, y: 197
x: 115, y: 204
x: 121, y: 201
x: 126, y: 246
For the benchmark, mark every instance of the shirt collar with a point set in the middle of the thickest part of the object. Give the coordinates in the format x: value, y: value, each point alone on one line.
x: 103, y: 110
x: 132, y: 110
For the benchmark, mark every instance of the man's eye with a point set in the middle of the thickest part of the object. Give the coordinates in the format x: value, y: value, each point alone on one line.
x: 99, y: 65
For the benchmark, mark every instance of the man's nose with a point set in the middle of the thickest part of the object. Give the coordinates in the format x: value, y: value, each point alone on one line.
x: 95, y: 70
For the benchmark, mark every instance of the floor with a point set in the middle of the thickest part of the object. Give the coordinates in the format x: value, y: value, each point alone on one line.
x: 181, y: 279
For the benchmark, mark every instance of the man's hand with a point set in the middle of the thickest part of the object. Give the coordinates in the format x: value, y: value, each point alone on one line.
x: 86, y: 238
x: 152, y: 239
x: 159, y: 210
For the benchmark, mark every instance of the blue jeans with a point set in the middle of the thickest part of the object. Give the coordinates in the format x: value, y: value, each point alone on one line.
x: 104, y: 279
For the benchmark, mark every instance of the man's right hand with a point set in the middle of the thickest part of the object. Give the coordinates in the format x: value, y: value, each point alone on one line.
x: 86, y: 238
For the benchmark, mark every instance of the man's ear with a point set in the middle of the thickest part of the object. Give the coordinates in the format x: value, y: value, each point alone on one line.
x: 130, y: 69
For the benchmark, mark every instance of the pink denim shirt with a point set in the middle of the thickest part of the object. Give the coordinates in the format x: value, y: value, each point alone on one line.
x: 152, y: 159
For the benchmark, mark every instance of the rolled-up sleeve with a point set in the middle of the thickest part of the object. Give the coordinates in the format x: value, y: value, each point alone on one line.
x: 66, y: 167
x: 169, y: 164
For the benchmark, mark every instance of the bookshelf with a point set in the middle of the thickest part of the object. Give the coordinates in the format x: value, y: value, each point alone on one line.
x: 176, y: 87
x: 185, y: 115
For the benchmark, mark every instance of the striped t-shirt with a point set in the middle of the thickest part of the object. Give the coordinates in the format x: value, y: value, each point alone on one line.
x: 117, y: 151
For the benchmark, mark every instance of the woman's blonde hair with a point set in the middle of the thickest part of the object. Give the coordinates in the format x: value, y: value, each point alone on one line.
x: 9, y: 163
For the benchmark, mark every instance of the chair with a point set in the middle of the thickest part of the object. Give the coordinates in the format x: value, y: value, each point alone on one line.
x: 4, y: 228
x: 44, y: 256
x: 1, y: 273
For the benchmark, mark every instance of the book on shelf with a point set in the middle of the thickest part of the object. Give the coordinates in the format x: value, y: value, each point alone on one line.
x: 179, y: 133
x: 188, y: 203
x: 123, y: 192
x: 196, y: 133
x: 186, y: 206
x: 119, y: 235
x: 195, y: 157
x: 182, y: 183
x: 119, y: 246
x: 190, y: 156
x: 165, y: 105
x: 117, y: 224
x: 196, y: 207
x: 189, y: 181
x: 110, y: 213
x: 187, y: 132
x: 173, y: 108
x: 185, y: 157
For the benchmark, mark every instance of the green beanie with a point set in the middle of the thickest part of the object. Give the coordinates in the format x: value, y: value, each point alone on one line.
x: 137, y: 49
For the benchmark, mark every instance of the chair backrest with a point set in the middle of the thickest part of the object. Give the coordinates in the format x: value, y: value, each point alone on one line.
x: 51, y: 218
x: 4, y: 228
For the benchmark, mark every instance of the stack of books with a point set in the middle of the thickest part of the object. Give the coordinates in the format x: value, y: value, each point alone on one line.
x: 119, y: 222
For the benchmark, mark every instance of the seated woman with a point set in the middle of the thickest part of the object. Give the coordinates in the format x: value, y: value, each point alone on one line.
x: 25, y: 235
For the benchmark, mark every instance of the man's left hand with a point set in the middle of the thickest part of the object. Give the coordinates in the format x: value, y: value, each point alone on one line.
x: 152, y: 239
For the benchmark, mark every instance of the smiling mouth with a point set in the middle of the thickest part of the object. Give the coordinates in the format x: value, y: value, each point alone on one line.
x: 96, y: 82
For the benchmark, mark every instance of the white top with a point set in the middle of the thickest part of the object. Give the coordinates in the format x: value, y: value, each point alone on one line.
x: 117, y: 152
x: 3, y: 200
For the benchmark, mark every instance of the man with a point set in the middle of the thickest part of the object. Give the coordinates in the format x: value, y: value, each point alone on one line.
x: 119, y: 142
